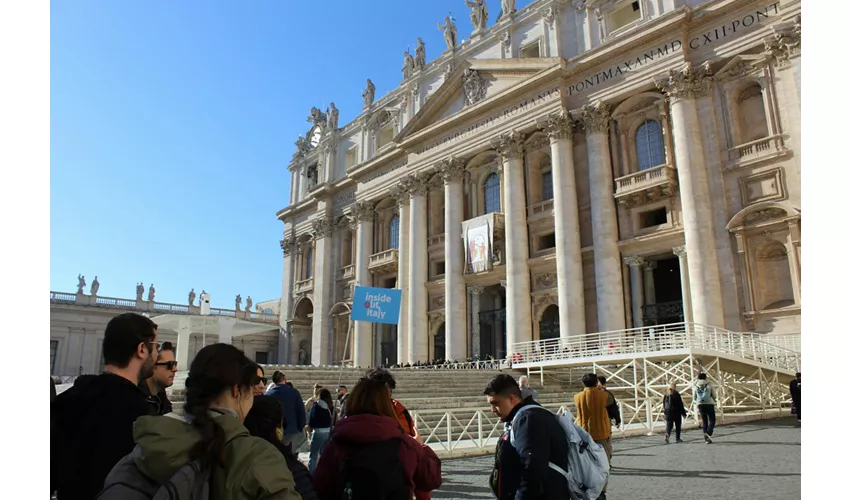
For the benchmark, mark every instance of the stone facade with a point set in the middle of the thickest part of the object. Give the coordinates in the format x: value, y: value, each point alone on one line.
x: 576, y: 167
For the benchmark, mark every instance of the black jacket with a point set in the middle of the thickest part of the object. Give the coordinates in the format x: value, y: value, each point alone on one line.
x: 613, y: 409
x: 674, y: 406
x: 157, y: 404
x: 91, y: 428
x: 522, y: 469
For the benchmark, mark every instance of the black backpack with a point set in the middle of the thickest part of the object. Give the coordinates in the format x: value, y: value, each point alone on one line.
x: 375, y: 472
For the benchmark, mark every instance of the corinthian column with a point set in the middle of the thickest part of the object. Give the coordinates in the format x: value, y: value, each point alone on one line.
x: 475, y: 292
x: 417, y: 268
x: 364, y: 216
x: 403, y: 199
x: 610, y: 309
x: 451, y: 171
x: 683, y: 88
x: 635, y: 275
x: 518, y: 297
x: 559, y: 127
x: 323, y: 229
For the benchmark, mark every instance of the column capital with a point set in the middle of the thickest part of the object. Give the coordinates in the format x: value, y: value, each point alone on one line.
x: 687, y: 83
x: 363, y: 211
x: 650, y: 265
x: 323, y: 227
x: 510, y: 145
x: 596, y: 119
x: 416, y: 184
x: 558, y: 125
x: 634, y: 261
x: 680, y: 251
x: 287, y: 244
x: 476, y: 289
x: 450, y: 169
x: 400, y: 194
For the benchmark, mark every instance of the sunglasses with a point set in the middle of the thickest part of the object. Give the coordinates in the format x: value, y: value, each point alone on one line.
x: 168, y: 364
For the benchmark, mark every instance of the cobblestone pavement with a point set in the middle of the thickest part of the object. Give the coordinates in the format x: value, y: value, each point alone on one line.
x: 751, y: 461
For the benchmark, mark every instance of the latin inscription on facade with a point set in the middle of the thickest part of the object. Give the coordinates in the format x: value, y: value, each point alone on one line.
x: 716, y: 35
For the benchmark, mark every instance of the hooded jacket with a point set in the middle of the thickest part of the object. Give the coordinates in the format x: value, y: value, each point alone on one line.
x: 422, y: 468
x: 91, y: 429
x: 294, y: 413
x: 254, y: 468
x: 321, y: 417
x: 712, y: 393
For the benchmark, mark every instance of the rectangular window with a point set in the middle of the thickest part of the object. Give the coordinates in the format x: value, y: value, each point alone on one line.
x: 546, y: 241
x: 54, y: 346
x: 624, y: 16
x: 547, y: 189
x: 261, y: 357
x: 350, y: 158
x: 531, y: 50
x: 652, y: 218
x: 385, y: 136
x: 440, y: 268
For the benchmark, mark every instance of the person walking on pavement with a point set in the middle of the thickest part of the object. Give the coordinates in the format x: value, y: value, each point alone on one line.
x: 319, y: 425
x: 524, y: 464
x: 293, y: 414
x: 706, y: 399
x: 674, y: 411
x: 794, y: 389
x: 592, y: 416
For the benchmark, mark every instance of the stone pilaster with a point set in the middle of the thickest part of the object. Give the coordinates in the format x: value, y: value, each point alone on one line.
x: 518, y: 307
x: 611, y: 314
x: 451, y: 170
x: 288, y: 245
x: 363, y: 215
x: 417, y: 313
x: 323, y: 229
x: 687, y: 310
x: 559, y: 127
x: 683, y: 88
x: 635, y: 277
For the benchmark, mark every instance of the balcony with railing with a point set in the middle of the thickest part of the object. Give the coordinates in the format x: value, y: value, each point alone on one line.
x: 346, y: 272
x: 304, y: 286
x: 541, y: 210
x: 436, y: 241
x: 384, y: 262
x: 646, y: 186
x: 754, y: 152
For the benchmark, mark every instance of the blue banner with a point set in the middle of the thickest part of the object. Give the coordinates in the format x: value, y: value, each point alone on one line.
x: 376, y: 305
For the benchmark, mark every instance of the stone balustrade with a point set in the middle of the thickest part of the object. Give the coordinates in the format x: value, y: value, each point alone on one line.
x: 304, y: 286
x: 755, y: 151
x: 542, y: 209
x: 155, y: 307
x: 346, y: 272
x: 646, y: 186
x: 386, y: 261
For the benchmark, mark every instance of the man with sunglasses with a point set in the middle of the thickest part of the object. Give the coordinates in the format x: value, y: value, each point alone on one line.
x: 162, y: 378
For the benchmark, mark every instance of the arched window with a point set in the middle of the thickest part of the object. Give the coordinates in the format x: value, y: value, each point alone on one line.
x: 649, y: 145
x: 308, y: 264
x: 492, y: 192
x: 394, y: 232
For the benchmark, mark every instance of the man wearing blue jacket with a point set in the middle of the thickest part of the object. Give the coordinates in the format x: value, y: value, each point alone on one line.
x: 294, y: 415
x: 524, y: 466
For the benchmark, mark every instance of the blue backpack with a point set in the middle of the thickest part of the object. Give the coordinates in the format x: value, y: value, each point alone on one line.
x: 588, y: 463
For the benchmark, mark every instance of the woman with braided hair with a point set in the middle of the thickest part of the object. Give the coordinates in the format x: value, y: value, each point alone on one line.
x: 210, y: 441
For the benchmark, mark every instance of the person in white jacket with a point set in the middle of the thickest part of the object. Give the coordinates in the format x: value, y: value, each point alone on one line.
x: 706, y: 399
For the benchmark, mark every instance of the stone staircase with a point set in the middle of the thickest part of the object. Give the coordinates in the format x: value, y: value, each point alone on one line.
x: 429, y: 392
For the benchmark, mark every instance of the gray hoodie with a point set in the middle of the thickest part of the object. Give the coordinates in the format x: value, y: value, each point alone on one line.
x: 712, y: 394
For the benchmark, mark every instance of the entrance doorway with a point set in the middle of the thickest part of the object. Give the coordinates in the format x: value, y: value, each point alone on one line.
x: 667, y: 305
x: 491, y: 321
x: 386, y: 338
x: 440, y: 345
x: 549, y: 326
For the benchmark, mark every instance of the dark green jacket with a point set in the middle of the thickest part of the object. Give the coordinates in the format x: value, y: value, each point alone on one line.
x: 254, y: 469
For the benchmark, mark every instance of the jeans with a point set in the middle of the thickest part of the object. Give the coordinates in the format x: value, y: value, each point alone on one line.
x: 677, y: 420
x: 295, y: 441
x: 708, y: 418
x: 320, y: 439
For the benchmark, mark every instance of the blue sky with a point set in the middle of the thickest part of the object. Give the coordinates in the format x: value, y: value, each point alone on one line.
x: 173, y: 122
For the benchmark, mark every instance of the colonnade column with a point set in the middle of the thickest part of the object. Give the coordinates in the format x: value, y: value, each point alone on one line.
x: 417, y: 304
x: 683, y: 88
x: 610, y: 309
x: 792, y: 245
x: 649, y: 281
x: 451, y: 170
x: 636, y: 279
x: 559, y: 127
x: 518, y: 298
x: 475, y: 292
x: 364, y: 216
x: 403, y: 263
x: 687, y: 310
x: 323, y: 229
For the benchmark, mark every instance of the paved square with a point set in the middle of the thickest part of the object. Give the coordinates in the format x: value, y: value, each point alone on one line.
x: 752, y: 461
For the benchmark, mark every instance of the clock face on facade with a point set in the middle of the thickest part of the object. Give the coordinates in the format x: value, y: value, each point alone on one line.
x: 315, y: 137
